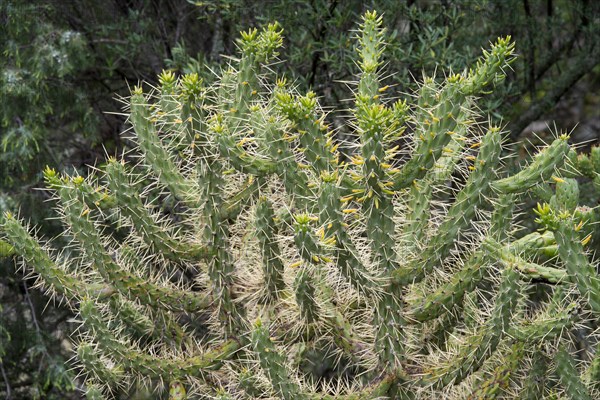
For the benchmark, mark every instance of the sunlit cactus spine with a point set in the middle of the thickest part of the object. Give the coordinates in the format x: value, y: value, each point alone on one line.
x: 239, y: 256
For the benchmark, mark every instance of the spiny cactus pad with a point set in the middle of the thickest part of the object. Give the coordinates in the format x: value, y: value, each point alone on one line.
x: 244, y: 251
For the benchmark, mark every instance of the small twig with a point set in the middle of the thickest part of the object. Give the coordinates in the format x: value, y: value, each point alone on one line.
x: 35, y: 321
x: 6, y: 382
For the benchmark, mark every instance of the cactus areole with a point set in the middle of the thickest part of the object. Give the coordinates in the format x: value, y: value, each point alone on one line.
x: 243, y: 251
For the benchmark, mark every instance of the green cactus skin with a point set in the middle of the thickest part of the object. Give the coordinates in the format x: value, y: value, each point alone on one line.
x: 440, y: 126
x: 541, y: 168
x: 535, y: 386
x: 306, y: 296
x: 495, y: 386
x: 557, y: 318
x: 576, y: 263
x: 309, y: 281
x: 592, y: 374
x: 569, y: 376
x: 239, y: 158
x: 331, y: 218
x: 155, y: 235
x: 273, y: 364
x: 273, y: 266
x: 451, y: 294
x: 294, y: 179
x: 387, y: 272
x: 92, y: 361
x: 460, y: 214
x: 567, y: 195
x: 312, y: 134
x: 55, y: 278
x: 533, y: 271
x: 482, y: 345
x: 157, y: 325
x: 156, y: 154
x: 151, y: 366
x: 6, y: 250
x: 94, y: 392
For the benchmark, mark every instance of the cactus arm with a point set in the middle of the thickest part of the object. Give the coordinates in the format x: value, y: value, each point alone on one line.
x: 220, y: 265
x: 580, y: 270
x: 155, y: 153
x: 370, y: 48
x: 256, y: 48
x: 167, y: 98
x: 546, y: 327
x: 234, y: 205
x: 271, y: 254
x: 481, y: 346
x: 57, y: 279
x: 273, y: 364
x: 471, y: 273
x: 236, y: 154
x: 311, y: 254
x: 332, y: 221
x: 96, y: 197
x: 500, y: 379
x: 306, y: 297
x: 149, y: 365
x: 444, y: 118
x: 377, y: 205
x: 460, y: 213
x: 537, y: 375
x: 569, y: 376
x: 159, y: 325
x: 93, y: 363
x: 233, y: 107
x: 440, y: 123
x: 535, y: 243
x: 376, y: 126
x: 316, y: 141
x: 421, y: 193
x: 490, y: 67
x: 278, y: 142
x: 136, y: 322
x: 452, y: 293
x: 541, y: 168
x: 502, y: 217
x: 193, y: 114
x: 416, y: 227
x: 77, y: 217
x: 529, y: 269
x: 145, y: 224
x: 566, y: 195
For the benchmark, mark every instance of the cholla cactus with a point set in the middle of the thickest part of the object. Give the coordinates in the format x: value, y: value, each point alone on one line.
x: 245, y: 257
